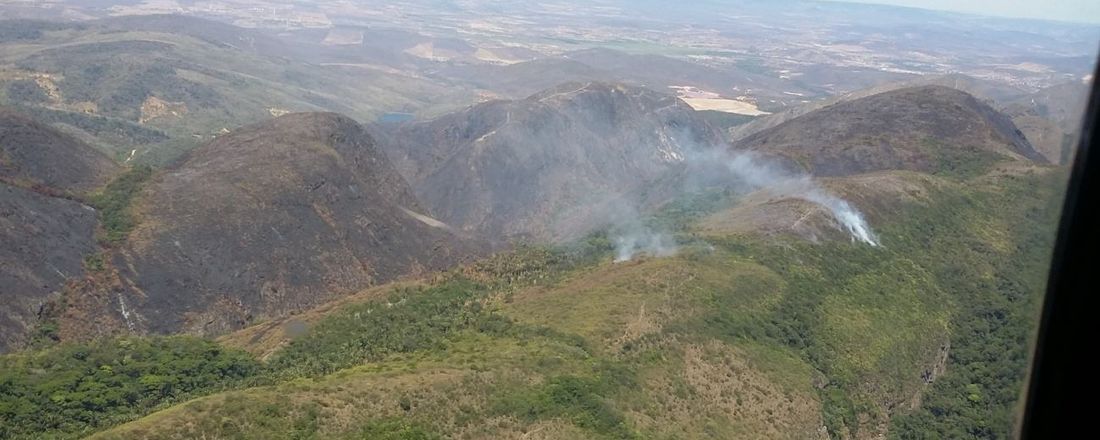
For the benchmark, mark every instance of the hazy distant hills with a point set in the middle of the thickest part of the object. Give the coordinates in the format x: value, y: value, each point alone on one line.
x: 158, y: 86
x: 654, y: 71
x: 1062, y: 103
x: 1051, y: 118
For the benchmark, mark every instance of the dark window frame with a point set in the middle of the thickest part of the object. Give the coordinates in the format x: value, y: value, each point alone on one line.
x: 1062, y: 390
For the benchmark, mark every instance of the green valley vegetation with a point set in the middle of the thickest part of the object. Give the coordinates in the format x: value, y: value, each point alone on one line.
x: 747, y: 338
x: 409, y: 320
x: 115, y: 200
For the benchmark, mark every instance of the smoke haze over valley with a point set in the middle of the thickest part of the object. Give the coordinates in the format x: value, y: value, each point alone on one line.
x: 526, y: 220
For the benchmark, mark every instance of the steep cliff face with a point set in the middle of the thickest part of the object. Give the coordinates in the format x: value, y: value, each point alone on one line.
x: 268, y: 220
x: 540, y: 166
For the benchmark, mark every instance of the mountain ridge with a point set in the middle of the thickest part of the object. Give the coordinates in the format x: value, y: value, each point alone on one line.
x: 507, y: 168
x: 269, y: 219
x: 925, y: 128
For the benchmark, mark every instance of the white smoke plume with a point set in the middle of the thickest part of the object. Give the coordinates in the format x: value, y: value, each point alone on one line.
x: 644, y: 240
x: 741, y: 172
x: 749, y: 172
x: 849, y: 217
x: 630, y: 236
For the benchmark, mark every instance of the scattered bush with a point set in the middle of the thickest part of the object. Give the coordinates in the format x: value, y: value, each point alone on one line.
x: 394, y: 429
x: 582, y: 401
x: 410, y: 319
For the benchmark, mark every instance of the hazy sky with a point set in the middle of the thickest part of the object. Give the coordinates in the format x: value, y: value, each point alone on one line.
x: 1087, y: 11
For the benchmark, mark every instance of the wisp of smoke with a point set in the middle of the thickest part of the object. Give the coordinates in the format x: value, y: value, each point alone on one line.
x: 643, y: 240
x: 848, y: 217
x: 742, y: 172
x: 630, y: 236
x: 753, y: 173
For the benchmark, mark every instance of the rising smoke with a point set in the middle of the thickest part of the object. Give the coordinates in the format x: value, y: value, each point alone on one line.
x: 755, y: 173
x: 643, y: 239
x: 742, y: 172
x: 628, y: 233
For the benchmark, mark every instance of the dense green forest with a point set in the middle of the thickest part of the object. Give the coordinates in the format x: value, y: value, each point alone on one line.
x: 999, y: 296
x: 74, y: 389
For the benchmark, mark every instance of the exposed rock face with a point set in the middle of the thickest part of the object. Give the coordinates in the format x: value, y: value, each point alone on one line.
x: 546, y: 165
x: 919, y: 128
x: 270, y: 219
x: 43, y: 236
